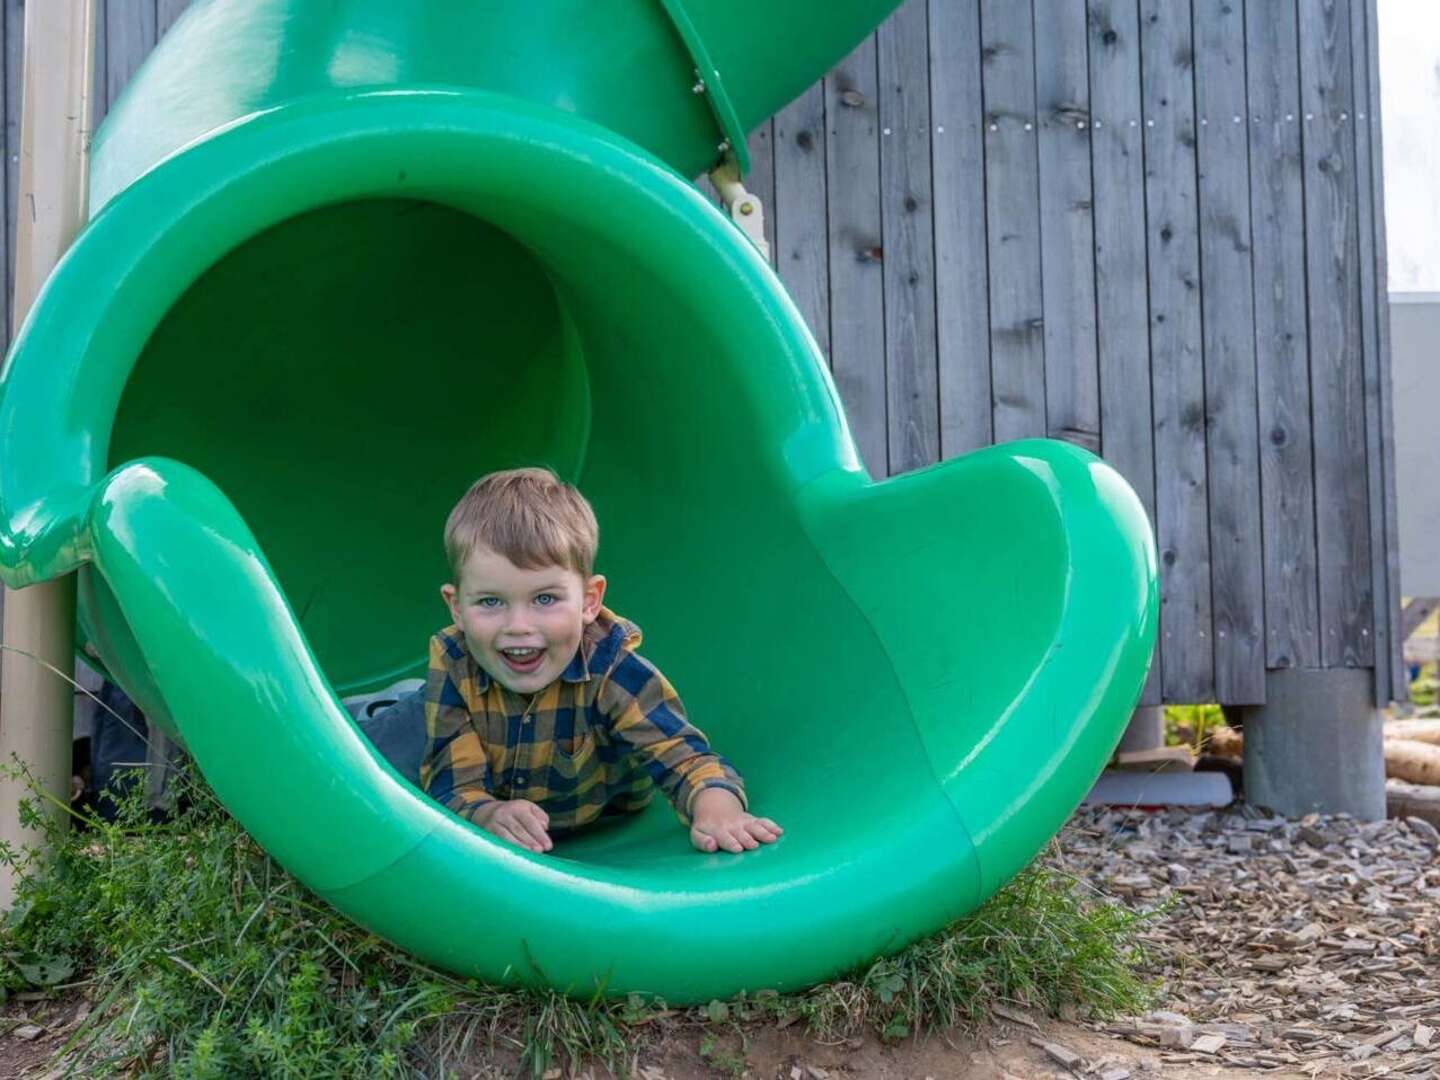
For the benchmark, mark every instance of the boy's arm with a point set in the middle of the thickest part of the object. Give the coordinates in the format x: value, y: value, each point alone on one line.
x: 454, y: 770
x: 642, y: 710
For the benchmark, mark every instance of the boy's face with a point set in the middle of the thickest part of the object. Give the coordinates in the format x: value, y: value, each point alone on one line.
x: 502, y: 609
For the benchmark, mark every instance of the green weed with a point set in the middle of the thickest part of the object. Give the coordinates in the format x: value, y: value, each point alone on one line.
x: 203, y: 958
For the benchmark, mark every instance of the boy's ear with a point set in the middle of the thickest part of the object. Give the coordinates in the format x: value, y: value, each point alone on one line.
x: 449, y: 593
x: 594, y: 594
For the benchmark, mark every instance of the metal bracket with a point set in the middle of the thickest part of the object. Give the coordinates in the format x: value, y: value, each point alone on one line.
x: 744, y: 207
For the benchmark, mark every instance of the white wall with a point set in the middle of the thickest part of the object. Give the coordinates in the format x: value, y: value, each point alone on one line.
x: 1410, y: 120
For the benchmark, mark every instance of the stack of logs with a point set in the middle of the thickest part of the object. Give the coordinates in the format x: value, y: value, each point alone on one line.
x: 1412, y: 768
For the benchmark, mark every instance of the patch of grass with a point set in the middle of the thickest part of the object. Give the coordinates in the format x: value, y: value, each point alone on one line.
x: 1190, y: 725
x: 203, y: 958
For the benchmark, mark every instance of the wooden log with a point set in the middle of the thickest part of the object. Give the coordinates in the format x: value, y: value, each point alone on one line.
x: 1423, y: 730
x: 1163, y: 759
x: 1403, y: 799
x: 1410, y: 759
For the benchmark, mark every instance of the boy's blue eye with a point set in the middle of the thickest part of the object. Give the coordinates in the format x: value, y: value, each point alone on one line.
x: 545, y: 596
x: 485, y: 600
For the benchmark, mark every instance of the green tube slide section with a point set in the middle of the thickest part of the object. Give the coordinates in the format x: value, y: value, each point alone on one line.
x: 345, y: 257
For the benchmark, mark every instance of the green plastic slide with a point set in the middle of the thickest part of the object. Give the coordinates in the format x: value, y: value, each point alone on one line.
x: 347, y: 256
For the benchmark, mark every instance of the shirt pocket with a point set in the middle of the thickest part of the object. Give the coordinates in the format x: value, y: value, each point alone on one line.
x: 575, y: 758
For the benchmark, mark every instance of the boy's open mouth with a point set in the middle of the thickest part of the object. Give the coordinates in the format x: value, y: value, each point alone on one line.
x: 522, y: 660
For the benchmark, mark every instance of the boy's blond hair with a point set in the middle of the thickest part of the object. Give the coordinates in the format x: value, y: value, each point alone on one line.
x: 530, y: 516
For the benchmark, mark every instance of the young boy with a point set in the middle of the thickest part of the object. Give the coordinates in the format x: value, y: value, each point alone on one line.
x: 540, y: 715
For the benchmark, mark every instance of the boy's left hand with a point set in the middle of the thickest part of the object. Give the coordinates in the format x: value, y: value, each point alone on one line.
x: 719, y: 821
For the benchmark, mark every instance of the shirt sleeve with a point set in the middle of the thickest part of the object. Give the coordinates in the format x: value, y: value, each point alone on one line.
x: 454, y: 770
x: 643, y: 712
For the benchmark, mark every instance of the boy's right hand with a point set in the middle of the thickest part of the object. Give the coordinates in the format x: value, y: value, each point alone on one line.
x: 518, y: 820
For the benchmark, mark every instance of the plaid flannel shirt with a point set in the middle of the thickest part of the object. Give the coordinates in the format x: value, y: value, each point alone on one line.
x: 598, y: 740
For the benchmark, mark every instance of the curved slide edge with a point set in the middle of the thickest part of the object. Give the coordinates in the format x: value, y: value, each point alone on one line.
x: 1021, y: 696
x: 285, y: 758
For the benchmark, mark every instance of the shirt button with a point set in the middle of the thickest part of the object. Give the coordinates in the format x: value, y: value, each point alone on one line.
x: 521, y: 779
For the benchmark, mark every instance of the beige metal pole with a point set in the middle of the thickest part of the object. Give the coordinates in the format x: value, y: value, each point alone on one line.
x: 36, y: 706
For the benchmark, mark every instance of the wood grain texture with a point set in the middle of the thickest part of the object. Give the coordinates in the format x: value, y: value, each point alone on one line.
x: 957, y: 159
x: 911, y: 365
x: 1228, y: 319
x: 130, y: 35
x: 1177, y: 382
x: 1373, y: 307
x: 1067, y: 227
x: 799, y: 209
x: 760, y: 180
x: 857, y: 298
x: 1333, y: 284
x: 1121, y: 279
x: 1282, y: 338
x: 1012, y: 201
x: 1370, y: 114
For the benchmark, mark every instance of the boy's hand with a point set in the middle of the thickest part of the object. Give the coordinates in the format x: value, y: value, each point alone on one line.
x: 719, y: 821
x: 518, y: 820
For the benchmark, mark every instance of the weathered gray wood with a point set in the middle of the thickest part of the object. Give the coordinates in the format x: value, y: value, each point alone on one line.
x: 101, y: 99
x: 857, y: 304
x: 1399, y: 675
x: 130, y: 35
x: 1277, y: 211
x: 911, y: 363
x: 1067, y: 227
x: 1380, y: 629
x: 166, y: 12
x: 1333, y: 283
x: 1012, y: 200
x: 14, y: 59
x: 1121, y: 283
x: 962, y: 302
x: 1228, y: 318
x: 801, y: 251
x: 761, y: 178
x: 1176, y: 375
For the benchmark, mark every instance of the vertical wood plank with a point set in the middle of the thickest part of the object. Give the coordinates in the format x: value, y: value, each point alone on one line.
x: 130, y: 35
x: 1017, y: 330
x: 1282, y: 340
x: 166, y: 12
x: 101, y: 101
x: 8, y: 147
x: 1067, y: 226
x: 1228, y: 318
x: 911, y: 364
x: 1373, y: 306
x: 1177, y: 379
x: 761, y: 178
x: 14, y: 25
x: 1369, y: 113
x: 1121, y: 283
x: 801, y: 250
x: 1333, y: 281
x: 962, y: 300
x: 857, y: 304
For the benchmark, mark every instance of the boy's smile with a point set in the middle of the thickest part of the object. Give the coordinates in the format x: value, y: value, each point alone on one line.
x: 522, y: 626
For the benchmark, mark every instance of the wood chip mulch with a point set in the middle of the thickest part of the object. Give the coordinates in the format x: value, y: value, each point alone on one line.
x: 1307, y: 946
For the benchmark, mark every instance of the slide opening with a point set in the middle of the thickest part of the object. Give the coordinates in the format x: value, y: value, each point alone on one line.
x: 343, y: 376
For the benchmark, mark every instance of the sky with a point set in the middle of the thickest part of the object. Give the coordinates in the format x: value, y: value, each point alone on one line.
x: 1410, y: 124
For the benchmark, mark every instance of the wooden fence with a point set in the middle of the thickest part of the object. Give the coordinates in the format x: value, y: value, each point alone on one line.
x: 1150, y: 227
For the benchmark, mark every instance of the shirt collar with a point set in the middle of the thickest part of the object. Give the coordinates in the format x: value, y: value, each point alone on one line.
x: 600, y: 643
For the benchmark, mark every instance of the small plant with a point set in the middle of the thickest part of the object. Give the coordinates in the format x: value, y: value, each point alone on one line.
x: 203, y: 958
